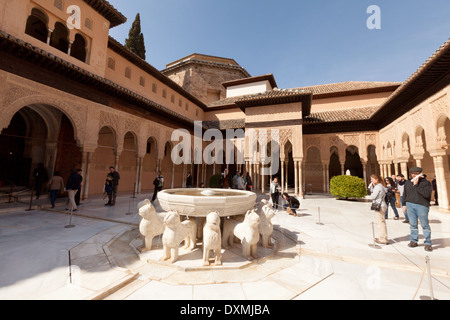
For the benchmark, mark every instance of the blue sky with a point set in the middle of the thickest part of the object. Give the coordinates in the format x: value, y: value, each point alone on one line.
x: 301, y: 42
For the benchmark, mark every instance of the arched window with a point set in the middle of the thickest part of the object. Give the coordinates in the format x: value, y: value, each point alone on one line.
x: 142, y: 81
x: 111, y: 63
x: 37, y: 25
x: 78, y: 50
x: 128, y: 73
x: 60, y: 36
x: 59, y: 4
x: 88, y: 23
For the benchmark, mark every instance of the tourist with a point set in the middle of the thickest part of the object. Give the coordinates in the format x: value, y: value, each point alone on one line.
x: 401, y: 187
x: 40, y: 177
x: 78, y: 194
x: 434, y: 184
x: 249, y: 182
x: 159, y: 184
x: 275, y: 192
x: 114, y: 177
x: 189, y: 180
x: 292, y: 204
x: 236, y: 178
x: 55, y: 186
x: 240, y: 182
x: 394, y: 180
x: 390, y: 197
x: 416, y: 201
x: 225, y: 179
x: 378, y: 195
x: 73, y: 184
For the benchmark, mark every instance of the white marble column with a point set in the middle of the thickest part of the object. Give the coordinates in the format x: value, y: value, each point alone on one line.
x: 301, y: 189
x: 87, y: 159
x: 441, y: 181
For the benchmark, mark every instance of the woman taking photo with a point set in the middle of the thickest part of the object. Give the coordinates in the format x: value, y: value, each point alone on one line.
x: 378, y: 194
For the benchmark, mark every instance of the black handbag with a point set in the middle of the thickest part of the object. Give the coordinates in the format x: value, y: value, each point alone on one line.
x: 375, y: 206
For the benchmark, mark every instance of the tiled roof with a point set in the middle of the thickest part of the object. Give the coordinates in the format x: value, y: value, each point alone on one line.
x: 267, y: 77
x: 343, y: 115
x: 259, y: 97
x: 351, y: 87
x: 431, y: 76
x: 225, y: 124
x: 108, y: 11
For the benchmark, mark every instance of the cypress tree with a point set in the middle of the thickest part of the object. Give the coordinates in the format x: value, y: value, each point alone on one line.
x: 135, y: 42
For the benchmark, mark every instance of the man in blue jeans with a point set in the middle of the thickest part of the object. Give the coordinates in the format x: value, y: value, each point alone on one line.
x: 416, y: 202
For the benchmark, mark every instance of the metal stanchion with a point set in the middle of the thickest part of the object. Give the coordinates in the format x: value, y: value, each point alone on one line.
x: 430, y: 280
x: 31, y: 201
x: 374, y: 245
x: 134, y: 191
x: 320, y: 222
x: 129, y: 213
x: 70, y: 268
x: 70, y: 225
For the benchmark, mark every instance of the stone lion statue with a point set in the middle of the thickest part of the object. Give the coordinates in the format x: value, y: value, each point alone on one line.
x: 152, y: 224
x: 212, y: 239
x: 247, y: 232
x: 176, y: 232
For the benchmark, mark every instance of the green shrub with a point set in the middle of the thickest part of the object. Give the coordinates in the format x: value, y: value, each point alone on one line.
x: 348, y: 187
x: 214, y: 182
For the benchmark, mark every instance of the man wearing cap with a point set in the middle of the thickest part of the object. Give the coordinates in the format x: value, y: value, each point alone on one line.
x: 416, y: 202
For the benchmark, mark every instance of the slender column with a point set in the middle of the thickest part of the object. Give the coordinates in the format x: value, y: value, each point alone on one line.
x: 49, y: 36
x: 70, y: 47
x: 404, y: 169
x: 116, y: 160
x: 418, y: 159
x: 198, y: 175
x: 301, y: 190
x: 139, y: 183
x: 257, y: 178
x: 383, y: 170
x: 389, y: 168
x: 364, y: 164
x: 173, y: 176
x: 86, y: 174
x: 286, y: 164
x: 324, y: 178
x: 263, y: 180
x: 396, y: 168
x: 183, y: 182
x: 441, y: 182
x: 136, y: 177
x: 282, y: 177
x: 296, y: 163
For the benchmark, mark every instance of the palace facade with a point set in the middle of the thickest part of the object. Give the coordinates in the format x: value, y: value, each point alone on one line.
x: 77, y: 98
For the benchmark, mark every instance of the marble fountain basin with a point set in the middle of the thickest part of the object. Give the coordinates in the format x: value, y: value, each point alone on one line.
x: 200, y: 202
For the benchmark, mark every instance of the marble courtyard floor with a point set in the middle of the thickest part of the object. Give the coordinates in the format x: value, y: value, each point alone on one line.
x: 97, y: 259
